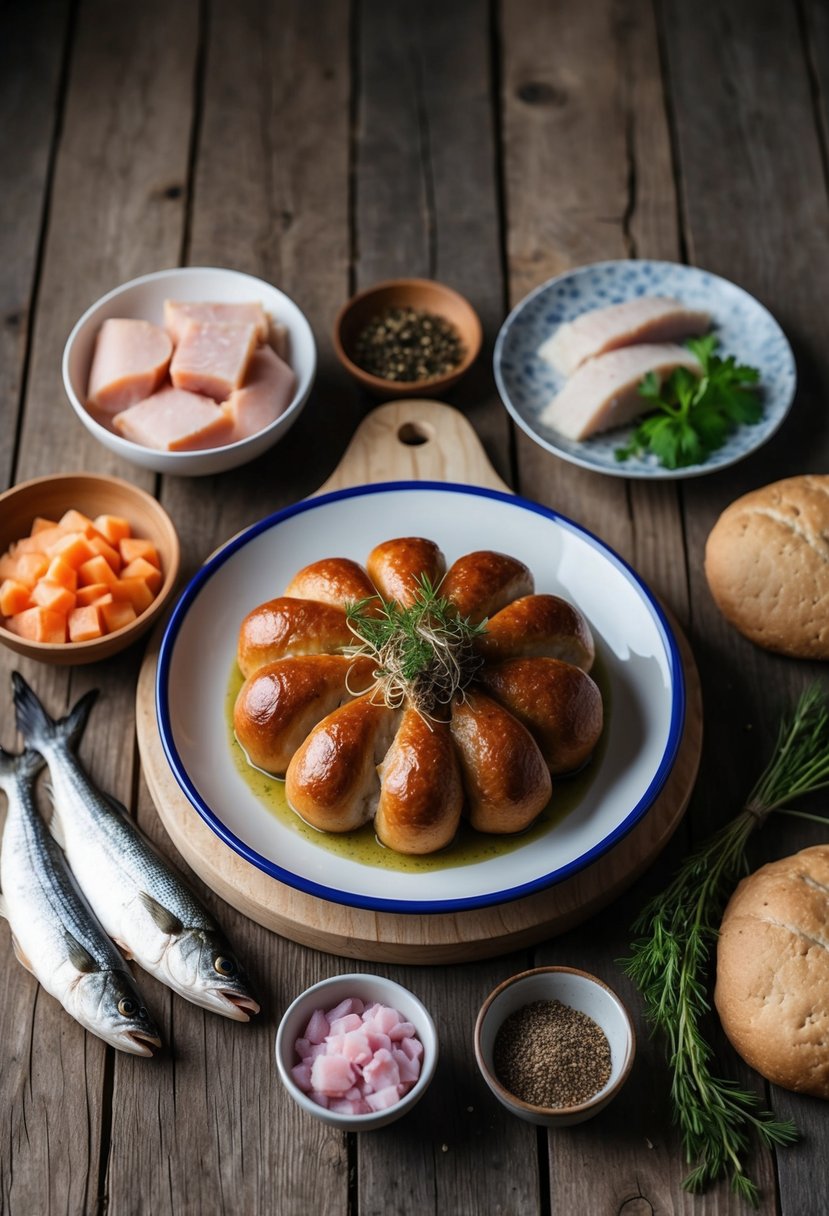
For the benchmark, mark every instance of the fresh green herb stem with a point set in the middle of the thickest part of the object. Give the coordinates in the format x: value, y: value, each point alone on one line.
x: 668, y: 961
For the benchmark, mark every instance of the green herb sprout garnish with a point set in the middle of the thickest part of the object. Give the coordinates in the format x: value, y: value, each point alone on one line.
x: 668, y: 960
x: 424, y: 652
x: 694, y: 414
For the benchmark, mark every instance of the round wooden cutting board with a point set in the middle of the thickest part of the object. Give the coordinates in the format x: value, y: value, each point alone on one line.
x: 414, y: 440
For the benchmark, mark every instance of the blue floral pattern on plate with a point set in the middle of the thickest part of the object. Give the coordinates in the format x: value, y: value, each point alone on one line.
x: 745, y: 328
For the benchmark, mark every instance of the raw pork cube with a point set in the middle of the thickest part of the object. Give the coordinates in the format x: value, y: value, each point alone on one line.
x: 351, y: 1021
x: 267, y: 392
x: 175, y: 421
x: 130, y: 361
x: 383, y: 1098
x: 382, y: 1071
x: 643, y: 319
x: 212, y: 357
x: 351, y: 1004
x: 332, y: 1075
x: 317, y: 1028
x: 177, y: 313
x: 605, y: 392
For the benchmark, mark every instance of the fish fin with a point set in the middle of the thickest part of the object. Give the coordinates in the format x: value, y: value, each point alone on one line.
x: 37, y: 727
x: 124, y: 948
x: 116, y: 804
x: 79, y: 956
x: 166, y: 920
x: 20, y: 956
x: 56, y: 828
x: 3, y: 909
x: 14, y: 766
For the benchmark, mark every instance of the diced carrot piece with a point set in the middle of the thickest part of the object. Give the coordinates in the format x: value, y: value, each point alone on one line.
x: 139, y: 568
x: 39, y: 625
x: 85, y: 624
x: 96, y: 570
x: 73, y: 547
x: 8, y: 566
x: 39, y: 524
x: 14, y: 597
x: 117, y: 614
x: 47, y: 594
x: 31, y: 567
x: 113, y: 528
x: 60, y: 571
x: 106, y: 551
x: 132, y: 547
x: 135, y: 590
x: 76, y: 521
x: 91, y: 593
x: 38, y: 542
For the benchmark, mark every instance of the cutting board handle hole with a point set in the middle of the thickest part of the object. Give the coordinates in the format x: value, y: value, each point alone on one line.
x: 413, y: 434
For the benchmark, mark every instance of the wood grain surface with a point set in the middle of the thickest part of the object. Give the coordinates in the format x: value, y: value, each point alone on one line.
x: 323, y: 146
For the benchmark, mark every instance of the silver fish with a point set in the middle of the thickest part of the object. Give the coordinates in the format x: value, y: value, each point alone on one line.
x: 54, y: 932
x: 143, y: 904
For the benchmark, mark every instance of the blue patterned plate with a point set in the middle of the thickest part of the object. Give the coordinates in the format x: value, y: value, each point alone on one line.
x: 745, y: 328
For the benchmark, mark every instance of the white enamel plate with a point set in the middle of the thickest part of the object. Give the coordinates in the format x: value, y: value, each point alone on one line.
x: 642, y: 680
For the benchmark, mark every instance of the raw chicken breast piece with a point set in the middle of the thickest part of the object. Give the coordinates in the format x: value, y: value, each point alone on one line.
x: 604, y: 392
x: 129, y: 363
x: 641, y: 320
x: 267, y: 392
x: 212, y: 357
x: 175, y: 421
x: 177, y: 314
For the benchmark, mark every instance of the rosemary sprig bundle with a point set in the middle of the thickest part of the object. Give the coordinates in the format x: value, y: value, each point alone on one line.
x: 669, y: 958
x: 424, y: 652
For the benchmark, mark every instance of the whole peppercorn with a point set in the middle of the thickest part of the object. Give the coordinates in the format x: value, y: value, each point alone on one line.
x: 407, y: 344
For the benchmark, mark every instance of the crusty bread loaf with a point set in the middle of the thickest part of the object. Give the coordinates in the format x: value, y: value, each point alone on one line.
x: 767, y: 564
x: 772, y: 990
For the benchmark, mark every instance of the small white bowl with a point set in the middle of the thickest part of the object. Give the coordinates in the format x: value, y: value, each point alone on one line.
x: 370, y: 989
x: 580, y: 991
x: 144, y: 298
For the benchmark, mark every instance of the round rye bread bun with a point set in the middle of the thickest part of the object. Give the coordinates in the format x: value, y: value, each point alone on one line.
x: 772, y: 991
x: 767, y: 564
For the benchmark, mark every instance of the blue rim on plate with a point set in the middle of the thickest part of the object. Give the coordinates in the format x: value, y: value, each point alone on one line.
x: 352, y: 899
x: 526, y: 382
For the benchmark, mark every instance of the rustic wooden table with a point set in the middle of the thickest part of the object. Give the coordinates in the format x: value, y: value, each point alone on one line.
x: 323, y: 146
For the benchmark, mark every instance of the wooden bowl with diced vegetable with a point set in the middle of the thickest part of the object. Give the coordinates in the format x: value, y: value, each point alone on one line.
x: 87, y: 564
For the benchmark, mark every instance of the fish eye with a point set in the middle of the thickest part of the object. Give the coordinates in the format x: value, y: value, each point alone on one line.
x: 224, y: 965
x: 127, y: 1007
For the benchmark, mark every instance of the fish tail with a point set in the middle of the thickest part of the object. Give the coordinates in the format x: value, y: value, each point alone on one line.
x: 38, y: 728
x: 14, y: 767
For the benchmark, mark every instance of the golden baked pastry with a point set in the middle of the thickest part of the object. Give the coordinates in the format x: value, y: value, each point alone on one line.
x: 772, y: 991
x: 488, y: 698
x: 767, y: 564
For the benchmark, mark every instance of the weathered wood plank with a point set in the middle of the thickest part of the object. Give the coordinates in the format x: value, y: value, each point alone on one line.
x: 270, y: 196
x: 32, y: 48
x: 427, y: 204
x: 110, y: 217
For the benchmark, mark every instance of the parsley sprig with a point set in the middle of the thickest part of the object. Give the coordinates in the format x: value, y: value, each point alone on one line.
x: 675, y: 934
x: 694, y: 415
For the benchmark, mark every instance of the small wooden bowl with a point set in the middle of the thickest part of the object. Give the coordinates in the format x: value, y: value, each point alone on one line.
x: 425, y: 294
x: 93, y: 495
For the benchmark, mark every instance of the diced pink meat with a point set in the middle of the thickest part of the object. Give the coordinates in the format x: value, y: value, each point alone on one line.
x: 302, y: 1047
x: 317, y: 1028
x: 351, y: 1021
x: 129, y: 363
x: 212, y: 357
x: 631, y: 323
x: 332, y: 1075
x: 302, y: 1075
x: 177, y: 313
x: 320, y: 1099
x: 403, y: 1030
x: 377, y: 1042
x: 356, y: 1047
x: 267, y: 392
x: 385, y: 1020
x: 382, y: 1071
x: 350, y: 1106
x: 382, y: 1099
x: 408, y: 1068
x: 351, y: 1004
x: 412, y: 1047
x: 174, y: 420
x: 604, y: 392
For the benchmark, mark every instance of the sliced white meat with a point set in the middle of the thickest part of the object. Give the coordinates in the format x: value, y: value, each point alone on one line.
x: 130, y: 361
x: 177, y: 313
x: 174, y: 420
x: 604, y: 392
x: 212, y: 357
x: 267, y: 392
x: 641, y: 320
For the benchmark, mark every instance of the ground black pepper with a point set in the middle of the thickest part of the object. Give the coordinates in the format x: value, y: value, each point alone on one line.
x: 550, y: 1055
x: 408, y: 344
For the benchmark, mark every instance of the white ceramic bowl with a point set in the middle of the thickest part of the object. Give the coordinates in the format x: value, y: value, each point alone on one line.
x: 369, y: 988
x: 580, y: 991
x: 144, y: 298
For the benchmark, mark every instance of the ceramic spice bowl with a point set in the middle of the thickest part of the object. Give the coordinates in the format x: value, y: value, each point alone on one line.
x: 370, y: 989
x: 423, y: 295
x: 92, y: 495
x: 578, y: 991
